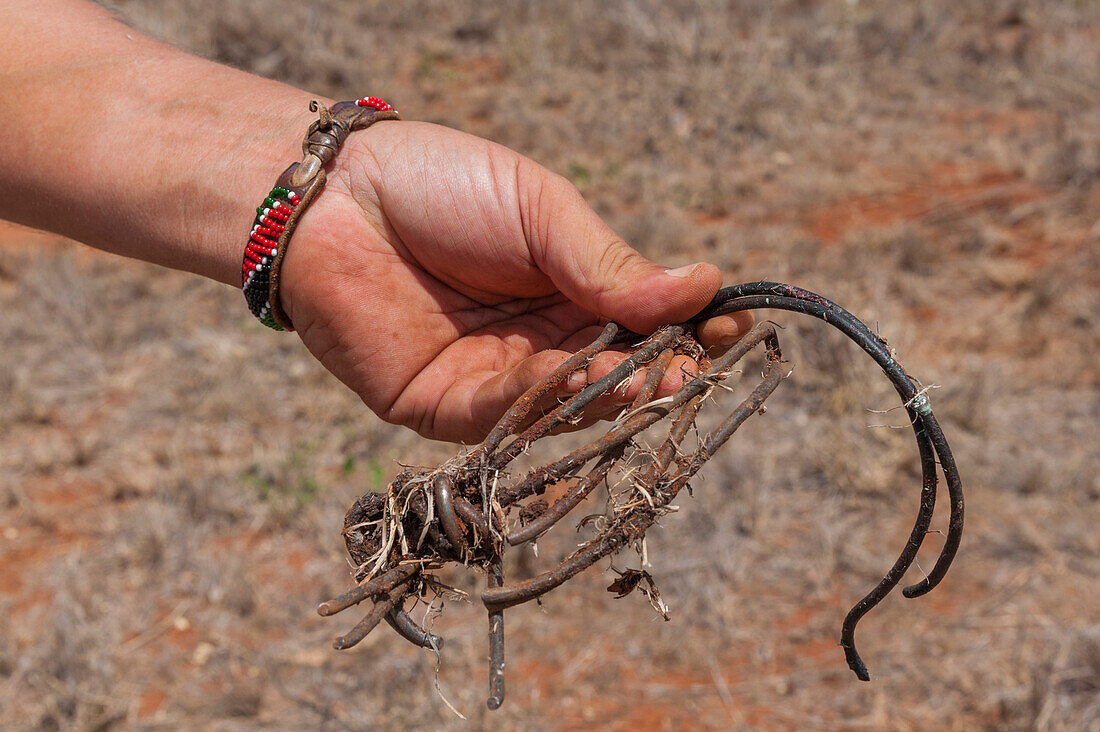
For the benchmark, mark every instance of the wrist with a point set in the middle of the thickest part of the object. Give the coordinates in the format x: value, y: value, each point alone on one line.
x: 210, y: 167
x: 319, y: 236
x: 254, y: 144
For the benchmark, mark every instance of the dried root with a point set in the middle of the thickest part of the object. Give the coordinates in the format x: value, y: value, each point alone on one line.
x: 469, y: 511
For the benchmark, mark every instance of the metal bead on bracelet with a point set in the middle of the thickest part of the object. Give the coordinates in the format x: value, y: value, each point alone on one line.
x: 294, y: 190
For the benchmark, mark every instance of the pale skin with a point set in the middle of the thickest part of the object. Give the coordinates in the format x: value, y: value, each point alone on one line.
x: 438, y: 275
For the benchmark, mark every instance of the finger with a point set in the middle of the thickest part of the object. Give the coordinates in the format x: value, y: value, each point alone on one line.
x: 586, y: 421
x: 581, y: 377
x: 611, y: 403
x: 718, y: 334
x: 609, y: 407
x: 595, y: 268
x: 680, y: 371
x: 619, y: 394
x: 492, y: 396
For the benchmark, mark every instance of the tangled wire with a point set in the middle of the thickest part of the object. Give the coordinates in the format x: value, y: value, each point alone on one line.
x: 460, y: 512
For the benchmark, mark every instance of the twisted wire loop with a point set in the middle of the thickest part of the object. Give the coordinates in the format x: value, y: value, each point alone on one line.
x: 470, y: 510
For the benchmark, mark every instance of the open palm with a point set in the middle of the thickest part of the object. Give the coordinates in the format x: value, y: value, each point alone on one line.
x: 440, y: 275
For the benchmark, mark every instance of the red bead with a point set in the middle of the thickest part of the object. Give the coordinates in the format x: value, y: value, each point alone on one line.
x: 380, y: 104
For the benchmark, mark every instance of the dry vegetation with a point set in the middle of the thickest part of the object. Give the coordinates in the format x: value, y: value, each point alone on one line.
x: 166, y: 530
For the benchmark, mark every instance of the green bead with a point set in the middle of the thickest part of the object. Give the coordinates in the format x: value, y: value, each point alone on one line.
x: 269, y: 321
x: 280, y: 191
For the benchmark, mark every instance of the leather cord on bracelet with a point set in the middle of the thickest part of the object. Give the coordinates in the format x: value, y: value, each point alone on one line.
x: 294, y: 190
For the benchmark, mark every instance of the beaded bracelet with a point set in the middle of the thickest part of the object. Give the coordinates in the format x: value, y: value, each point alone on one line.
x: 295, y: 189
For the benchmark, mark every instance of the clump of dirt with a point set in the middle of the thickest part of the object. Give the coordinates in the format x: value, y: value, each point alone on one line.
x: 362, y: 533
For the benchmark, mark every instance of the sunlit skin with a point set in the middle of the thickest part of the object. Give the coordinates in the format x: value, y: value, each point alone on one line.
x: 438, y: 274
x: 444, y: 275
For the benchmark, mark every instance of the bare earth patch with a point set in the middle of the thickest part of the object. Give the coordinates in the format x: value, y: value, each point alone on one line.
x: 166, y: 531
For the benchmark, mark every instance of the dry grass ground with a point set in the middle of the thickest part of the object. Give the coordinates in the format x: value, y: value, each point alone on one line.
x: 173, y: 477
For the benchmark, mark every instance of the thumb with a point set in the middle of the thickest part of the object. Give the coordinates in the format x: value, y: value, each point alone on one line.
x: 596, y: 269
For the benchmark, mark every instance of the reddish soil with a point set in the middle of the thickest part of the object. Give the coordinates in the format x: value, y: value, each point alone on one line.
x: 934, y: 168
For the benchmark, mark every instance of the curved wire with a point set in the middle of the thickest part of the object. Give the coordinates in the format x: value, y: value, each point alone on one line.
x: 931, y: 441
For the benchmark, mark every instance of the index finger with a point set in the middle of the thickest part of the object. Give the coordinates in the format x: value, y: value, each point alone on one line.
x: 718, y: 334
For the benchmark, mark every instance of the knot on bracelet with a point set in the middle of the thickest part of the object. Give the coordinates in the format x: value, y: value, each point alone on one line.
x: 327, y: 134
x: 323, y: 113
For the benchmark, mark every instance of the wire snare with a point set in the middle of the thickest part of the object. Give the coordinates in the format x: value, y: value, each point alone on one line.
x: 463, y: 511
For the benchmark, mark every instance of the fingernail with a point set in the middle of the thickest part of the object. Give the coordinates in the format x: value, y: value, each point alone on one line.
x: 682, y: 272
x: 575, y: 382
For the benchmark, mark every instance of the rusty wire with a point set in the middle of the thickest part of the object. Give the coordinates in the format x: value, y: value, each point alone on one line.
x: 462, y: 512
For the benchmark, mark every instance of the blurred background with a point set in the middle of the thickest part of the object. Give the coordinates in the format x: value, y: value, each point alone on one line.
x: 932, y: 166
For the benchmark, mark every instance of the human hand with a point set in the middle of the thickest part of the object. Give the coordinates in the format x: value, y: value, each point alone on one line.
x: 440, y: 275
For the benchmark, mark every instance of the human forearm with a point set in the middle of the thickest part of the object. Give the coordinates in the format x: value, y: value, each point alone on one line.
x: 439, y: 275
x: 134, y: 147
